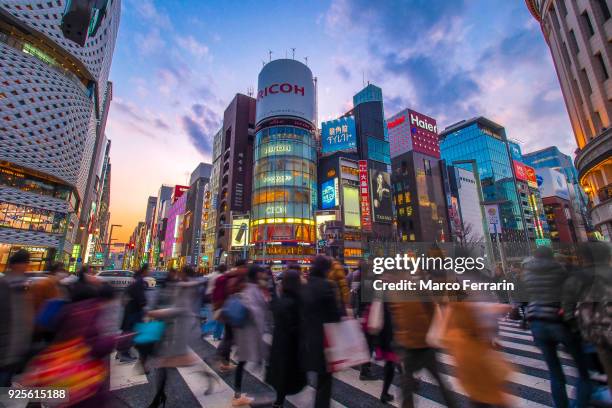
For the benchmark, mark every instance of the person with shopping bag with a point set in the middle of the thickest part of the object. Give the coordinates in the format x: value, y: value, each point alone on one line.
x: 319, y: 307
x: 80, y: 349
x: 412, y: 320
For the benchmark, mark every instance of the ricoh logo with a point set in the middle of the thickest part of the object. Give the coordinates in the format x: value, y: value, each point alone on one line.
x: 422, y: 123
x: 280, y: 88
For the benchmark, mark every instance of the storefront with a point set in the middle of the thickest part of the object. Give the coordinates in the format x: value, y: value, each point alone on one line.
x: 40, y: 256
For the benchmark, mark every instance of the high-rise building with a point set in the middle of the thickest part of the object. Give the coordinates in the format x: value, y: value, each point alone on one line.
x: 485, y: 141
x: 194, y: 207
x: 552, y: 158
x: 417, y: 181
x: 235, y: 174
x: 284, y: 199
x: 164, y: 197
x: 54, y: 99
x: 557, y: 205
x: 211, y: 221
x: 578, y: 35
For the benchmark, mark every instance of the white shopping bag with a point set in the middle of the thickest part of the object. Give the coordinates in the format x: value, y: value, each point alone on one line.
x: 345, y: 345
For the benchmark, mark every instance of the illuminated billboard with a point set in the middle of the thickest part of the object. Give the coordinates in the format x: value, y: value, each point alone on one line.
x: 338, y: 135
x: 554, y: 184
x: 411, y: 130
x: 285, y: 87
x: 329, y: 194
x: 364, y: 196
x: 350, y: 203
x: 519, y: 170
x: 382, y: 205
x: 321, y: 219
x: 240, y: 232
x: 532, y: 179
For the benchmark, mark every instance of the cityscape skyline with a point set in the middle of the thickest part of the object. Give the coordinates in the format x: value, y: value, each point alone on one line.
x: 158, y: 56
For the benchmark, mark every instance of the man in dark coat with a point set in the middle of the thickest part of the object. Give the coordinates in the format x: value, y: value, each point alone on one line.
x: 134, y: 309
x: 284, y: 372
x: 319, y: 307
x: 543, y: 281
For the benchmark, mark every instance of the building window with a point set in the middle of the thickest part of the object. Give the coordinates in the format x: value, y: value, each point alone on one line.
x: 605, y: 11
x: 587, y: 22
x: 602, y: 66
x: 562, y: 7
x: 573, y: 42
x: 585, y: 79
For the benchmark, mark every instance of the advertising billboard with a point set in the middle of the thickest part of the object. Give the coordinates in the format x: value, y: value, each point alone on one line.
x: 411, y: 130
x: 178, y: 192
x: 329, y: 194
x: 350, y: 203
x: 519, y: 170
x: 493, y: 218
x: 364, y: 196
x: 515, y: 151
x: 320, y: 220
x: 338, y: 135
x: 532, y: 179
x: 382, y: 204
x: 240, y: 232
x: 554, y: 184
x: 285, y: 88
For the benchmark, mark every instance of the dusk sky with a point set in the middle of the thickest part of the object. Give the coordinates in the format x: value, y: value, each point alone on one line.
x: 177, y: 65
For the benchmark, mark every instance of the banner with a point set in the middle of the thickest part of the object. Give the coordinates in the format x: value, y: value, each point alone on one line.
x: 338, y: 135
x: 493, y: 218
x: 240, y: 232
x: 382, y: 200
x: 364, y: 196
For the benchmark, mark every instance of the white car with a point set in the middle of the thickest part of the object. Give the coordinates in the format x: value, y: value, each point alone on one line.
x: 121, y: 279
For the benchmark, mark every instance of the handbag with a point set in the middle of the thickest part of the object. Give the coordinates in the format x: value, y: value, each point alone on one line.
x: 149, y: 332
x: 344, y: 345
x: 47, y: 317
x: 67, y: 364
x: 375, y: 318
x: 235, y: 312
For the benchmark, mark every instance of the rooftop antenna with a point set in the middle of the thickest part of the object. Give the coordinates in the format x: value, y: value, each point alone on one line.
x: 306, y: 59
x: 250, y: 91
x: 292, y: 53
x: 263, y: 63
x: 270, y: 54
x: 363, y: 78
x: 285, y: 53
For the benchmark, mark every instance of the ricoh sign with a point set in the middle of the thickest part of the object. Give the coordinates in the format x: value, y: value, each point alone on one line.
x: 285, y: 88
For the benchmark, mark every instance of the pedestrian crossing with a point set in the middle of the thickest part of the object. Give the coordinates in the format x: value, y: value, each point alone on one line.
x: 529, y: 386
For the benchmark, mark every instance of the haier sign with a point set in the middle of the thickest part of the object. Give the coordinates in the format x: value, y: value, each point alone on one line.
x: 285, y: 88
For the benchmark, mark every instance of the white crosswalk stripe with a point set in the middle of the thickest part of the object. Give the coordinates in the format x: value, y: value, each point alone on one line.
x: 530, y: 379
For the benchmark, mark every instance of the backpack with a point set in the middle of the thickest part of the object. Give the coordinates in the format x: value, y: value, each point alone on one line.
x: 594, y: 314
x: 47, y: 317
x: 234, y: 311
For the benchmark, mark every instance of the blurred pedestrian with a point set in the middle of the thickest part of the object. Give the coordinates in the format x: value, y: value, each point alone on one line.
x: 213, y: 325
x: 283, y: 371
x: 543, y: 281
x: 595, y: 301
x: 179, y: 318
x: 226, y: 285
x: 337, y: 275
x: 43, y: 290
x: 250, y: 346
x: 134, y: 308
x: 320, y: 306
x: 16, y: 324
x: 78, y: 357
x: 412, y: 320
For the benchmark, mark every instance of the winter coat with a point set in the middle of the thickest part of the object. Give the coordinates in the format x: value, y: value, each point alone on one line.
x: 411, y: 322
x: 283, y: 372
x: 338, y: 277
x: 594, y: 311
x: 250, y: 345
x: 137, y: 300
x: 319, y: 307
x: 480, y: 369
x: 543, y: 281
x: 16, y: 323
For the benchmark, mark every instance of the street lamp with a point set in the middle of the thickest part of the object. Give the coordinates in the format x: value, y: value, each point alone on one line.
x: 110, y: 238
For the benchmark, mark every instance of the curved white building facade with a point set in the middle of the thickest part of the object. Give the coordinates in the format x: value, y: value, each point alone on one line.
x: 53, y: 97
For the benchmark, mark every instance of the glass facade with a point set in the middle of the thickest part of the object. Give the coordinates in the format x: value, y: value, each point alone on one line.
x: 490, y: 150
x: 32, y: 219
x: 26, y: 182
x: 379, y: 150
x: 284, y: 190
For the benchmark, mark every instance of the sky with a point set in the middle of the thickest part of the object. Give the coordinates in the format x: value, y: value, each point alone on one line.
x: 178, y: 64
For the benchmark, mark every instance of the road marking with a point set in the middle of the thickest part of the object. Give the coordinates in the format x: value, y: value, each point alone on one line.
x: 123, y: 375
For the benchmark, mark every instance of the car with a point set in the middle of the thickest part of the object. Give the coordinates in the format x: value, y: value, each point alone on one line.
x: 160, y: 277
x: 121, y: 279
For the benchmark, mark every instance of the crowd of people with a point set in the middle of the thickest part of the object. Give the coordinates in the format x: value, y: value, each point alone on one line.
x: 280, y: 322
